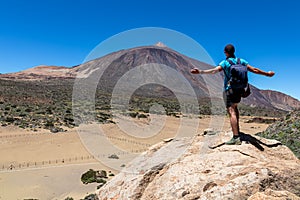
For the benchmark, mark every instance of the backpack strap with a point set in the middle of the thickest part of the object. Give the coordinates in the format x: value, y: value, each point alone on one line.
x: 230, y: 61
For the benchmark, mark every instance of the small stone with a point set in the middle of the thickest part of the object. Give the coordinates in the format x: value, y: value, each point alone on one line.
x: 54, y: 130
x: 208, y: 186
x: 168, y: 140
x: 184, y: 193
x: 209, y: 131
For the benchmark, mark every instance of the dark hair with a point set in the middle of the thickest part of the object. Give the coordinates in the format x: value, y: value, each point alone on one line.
x: 229, y: 48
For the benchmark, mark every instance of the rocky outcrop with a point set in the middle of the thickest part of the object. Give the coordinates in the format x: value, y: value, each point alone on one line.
x: 248, y: 171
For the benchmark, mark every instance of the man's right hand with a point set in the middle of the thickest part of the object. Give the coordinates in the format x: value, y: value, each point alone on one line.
x: 195, y: 71
x: 270, y: 73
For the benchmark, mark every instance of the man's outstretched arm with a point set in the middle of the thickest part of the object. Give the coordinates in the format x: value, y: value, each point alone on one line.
x: 259, y: 71
x: 208, y: 71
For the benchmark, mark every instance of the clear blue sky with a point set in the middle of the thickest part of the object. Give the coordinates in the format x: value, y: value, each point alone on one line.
x: 52, y: 32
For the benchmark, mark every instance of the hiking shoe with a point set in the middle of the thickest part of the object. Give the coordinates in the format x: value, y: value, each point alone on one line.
x: 234, y: 141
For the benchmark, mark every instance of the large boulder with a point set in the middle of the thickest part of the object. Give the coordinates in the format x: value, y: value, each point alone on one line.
x: 227, y: 172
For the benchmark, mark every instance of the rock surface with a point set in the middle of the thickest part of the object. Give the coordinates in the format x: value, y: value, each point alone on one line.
x: 227, y: 172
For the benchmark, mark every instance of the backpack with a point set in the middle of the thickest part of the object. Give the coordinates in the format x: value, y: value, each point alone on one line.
x: 239, y: 78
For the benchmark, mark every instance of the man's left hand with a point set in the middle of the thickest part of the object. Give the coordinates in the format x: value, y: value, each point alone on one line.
x: 195, y: 71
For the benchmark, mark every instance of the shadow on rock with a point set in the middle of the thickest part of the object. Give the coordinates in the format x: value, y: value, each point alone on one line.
x: 255, y: 142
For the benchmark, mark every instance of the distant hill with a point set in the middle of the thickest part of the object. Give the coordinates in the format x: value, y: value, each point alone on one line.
x: 41, y: 72
x: 280, y: 100
x: 120, y: 62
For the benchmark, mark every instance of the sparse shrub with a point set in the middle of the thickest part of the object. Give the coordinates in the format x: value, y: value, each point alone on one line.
x: 22, y: 114
x: 68, y: 111
x: 41, y: 112
x: 94, y: 176
x: 89, y: 177
x: 286, y: 131
x: 102, y: 174
x: 100, y: 180
x: 113, y: 156
x: 28, y: 110
x: 99, y: 186
x: 91, y: 197
x: 68, y: 118
x: 56, y: 130
x: 10, y: 119
x: 133, y: 114
x: 31, y: 199
x: 49, y: 124
x: 141, y: 115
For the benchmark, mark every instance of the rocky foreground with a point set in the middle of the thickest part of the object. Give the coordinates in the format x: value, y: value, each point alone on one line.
x: 248, y: 171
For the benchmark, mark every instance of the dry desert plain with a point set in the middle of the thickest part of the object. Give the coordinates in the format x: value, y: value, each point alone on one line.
x: 43, y: 165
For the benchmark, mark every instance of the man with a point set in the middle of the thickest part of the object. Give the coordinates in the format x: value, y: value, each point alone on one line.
x: 233, y: 97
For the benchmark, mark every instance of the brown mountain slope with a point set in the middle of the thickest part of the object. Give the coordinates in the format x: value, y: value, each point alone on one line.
x: 280, y: 100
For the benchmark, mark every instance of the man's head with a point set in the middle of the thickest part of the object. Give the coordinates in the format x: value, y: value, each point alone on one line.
x: 229, y: 51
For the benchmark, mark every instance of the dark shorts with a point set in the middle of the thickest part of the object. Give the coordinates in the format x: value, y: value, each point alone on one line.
x: 232, y: 96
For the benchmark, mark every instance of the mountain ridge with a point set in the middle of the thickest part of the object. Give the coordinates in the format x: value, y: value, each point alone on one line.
x: 125, y: 60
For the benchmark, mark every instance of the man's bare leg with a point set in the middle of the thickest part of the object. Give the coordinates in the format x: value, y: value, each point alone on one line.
x: 234, y: 118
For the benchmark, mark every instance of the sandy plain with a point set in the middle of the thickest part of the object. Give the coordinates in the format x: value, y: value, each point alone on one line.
x: 42, y: 165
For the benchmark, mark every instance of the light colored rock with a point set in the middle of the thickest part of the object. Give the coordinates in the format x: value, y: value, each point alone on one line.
x: 274, y: 195
x: 197, y: 172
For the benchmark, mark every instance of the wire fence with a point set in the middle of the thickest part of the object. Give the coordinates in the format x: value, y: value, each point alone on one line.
x: 121, y: 139
x: 77, y: 159
x: 14, y: 165
x: 20, y: 135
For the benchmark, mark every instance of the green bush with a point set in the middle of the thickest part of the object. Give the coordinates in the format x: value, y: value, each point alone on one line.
x: 88, y: 177
x: 92, y: 176
x: 286, y: 131
x: 49, y: 124
x: 100, y: 180
x: 28, y: 110
x: 102, y: 174
x: 133, y: 114
x: 91, y: 197
x: 141, y: 115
